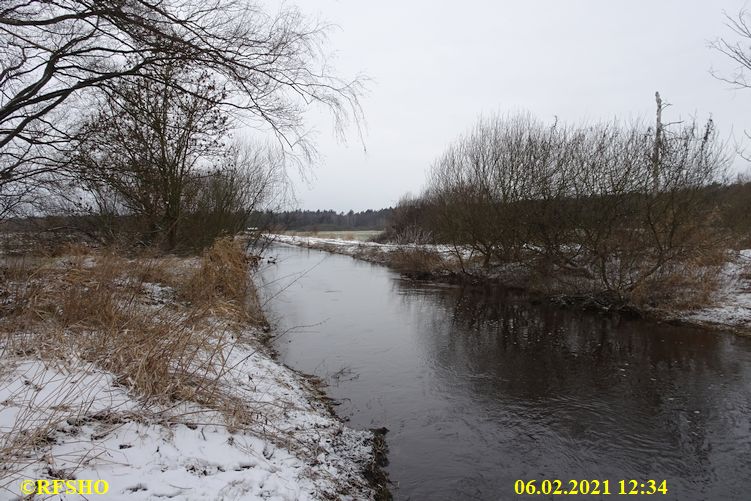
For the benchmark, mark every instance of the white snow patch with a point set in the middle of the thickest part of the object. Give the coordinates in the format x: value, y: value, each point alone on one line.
x: 732, y: 306
x: 291, y: 450
x: 352, y: 247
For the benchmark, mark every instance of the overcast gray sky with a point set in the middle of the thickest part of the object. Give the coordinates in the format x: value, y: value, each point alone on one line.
x: 436, y: 66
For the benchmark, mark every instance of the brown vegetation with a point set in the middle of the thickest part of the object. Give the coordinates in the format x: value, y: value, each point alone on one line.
x: 163, y: 326
x: 129, y: 317
x: 97, y: 342
x: 626, y: 215
x: 417, y: 262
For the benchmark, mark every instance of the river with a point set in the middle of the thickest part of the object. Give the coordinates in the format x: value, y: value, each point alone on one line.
x: 480, y: 387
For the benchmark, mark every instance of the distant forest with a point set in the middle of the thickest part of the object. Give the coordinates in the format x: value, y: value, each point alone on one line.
x: 329, y: 220
x: 296, y: 220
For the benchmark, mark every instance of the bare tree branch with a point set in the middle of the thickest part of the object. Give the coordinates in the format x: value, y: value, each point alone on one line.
x: 56, y: 54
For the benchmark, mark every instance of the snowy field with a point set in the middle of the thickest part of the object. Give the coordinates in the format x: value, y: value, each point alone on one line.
x: 353, y: 247
x: 358, y: 235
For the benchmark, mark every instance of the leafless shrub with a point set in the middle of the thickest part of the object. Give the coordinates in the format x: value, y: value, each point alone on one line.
x: 416, y: 260
x: 407, y: 223
x: 477, y: 187
x: 225, y: 201
x: 601, y: 210
x: 735, y: 212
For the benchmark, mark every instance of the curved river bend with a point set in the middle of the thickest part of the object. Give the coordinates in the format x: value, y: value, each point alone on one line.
x: 480, y: 388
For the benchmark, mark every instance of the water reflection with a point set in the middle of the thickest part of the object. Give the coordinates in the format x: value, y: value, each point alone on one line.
x: 480, y: 387
x: 595, y: 395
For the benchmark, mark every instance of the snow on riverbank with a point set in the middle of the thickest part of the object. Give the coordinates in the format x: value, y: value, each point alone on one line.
x: 731, y: 308
x: 732, y: 302
x: 262, y: 432
x: 90, y: 428
x: 355, y: 247
x: 342, y: 245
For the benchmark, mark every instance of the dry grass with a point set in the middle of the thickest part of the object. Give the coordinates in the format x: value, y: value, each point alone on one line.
x: 221, y: 282
x: 684, y: 285
x: 108, y: 312
x: 690, y: 287
x: 40, y: 418
x: 43, y: 242
x: 103, y: 309
x: 745, y: 269
x: 366, y: 253
x: 169, y: 331
x: 417, y: 260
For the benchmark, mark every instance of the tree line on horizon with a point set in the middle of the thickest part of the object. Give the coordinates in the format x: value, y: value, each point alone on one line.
x: 330, y: 220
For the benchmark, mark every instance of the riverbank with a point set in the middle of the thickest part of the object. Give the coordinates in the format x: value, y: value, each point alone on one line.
x: 728, y: 306
x: 153, y: 375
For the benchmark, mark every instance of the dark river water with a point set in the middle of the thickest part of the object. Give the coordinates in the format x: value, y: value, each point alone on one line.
x: 480, y: 388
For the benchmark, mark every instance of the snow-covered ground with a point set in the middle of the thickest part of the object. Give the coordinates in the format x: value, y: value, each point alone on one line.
x: 731, y: 306
x: 341, y: 245
x: 67, y: 419
x: 355, y: 247
x: 295, y: 451
x: 732, y: 302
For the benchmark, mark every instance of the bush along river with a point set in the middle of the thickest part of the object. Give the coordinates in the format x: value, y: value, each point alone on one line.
x: 481, y: 388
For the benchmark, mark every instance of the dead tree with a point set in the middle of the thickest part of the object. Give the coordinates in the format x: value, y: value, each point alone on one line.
x: 656, y: 153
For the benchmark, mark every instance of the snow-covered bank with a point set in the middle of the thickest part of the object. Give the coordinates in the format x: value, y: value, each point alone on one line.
x: 370, y: 251
x: 266, y: 436
x: 341, y: 246
x: 294, y: 449
x: 730, y: 307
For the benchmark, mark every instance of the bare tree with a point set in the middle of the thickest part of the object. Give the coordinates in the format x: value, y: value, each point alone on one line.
x: 251, y: 178
x: 148, y: 140
x: 55, y: 54
x: 737, y: 49
x: 479, y: 185
x: 604, y: 209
